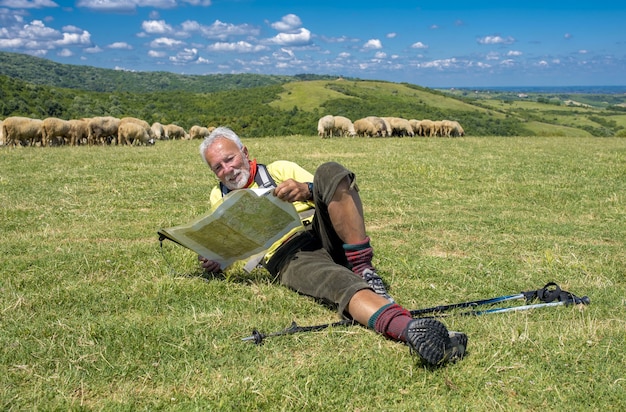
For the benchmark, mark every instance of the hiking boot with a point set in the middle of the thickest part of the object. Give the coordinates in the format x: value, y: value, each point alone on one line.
x: 376, y: 283
x: 433, y: 343
x: 458, y: 343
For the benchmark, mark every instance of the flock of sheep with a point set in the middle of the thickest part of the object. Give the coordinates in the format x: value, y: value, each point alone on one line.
x: 374, y: 126
x: 102, y: 130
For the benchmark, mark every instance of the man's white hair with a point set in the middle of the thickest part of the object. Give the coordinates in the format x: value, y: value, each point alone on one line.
x: 219, y: 132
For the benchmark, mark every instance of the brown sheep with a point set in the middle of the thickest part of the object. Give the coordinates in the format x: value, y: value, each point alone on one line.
x: 139, y: 122
x: 427, y: 128
x: 380, y: 125
x: 102, y: 129
x: 343, y: 126
x: 133, y: 133
x: 415, y: 125
x: 22, y: 130
x: 199, y: 132
x: 55, y: 131
x: 364, y: 127
x: 398, y: 126
x: 79, y: 131
x: 173, y: 131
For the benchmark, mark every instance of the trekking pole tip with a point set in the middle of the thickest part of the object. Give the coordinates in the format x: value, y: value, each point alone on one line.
x: 256, y: 337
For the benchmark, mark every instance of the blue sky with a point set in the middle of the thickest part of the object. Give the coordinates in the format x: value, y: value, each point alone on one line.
x: 434, y: 44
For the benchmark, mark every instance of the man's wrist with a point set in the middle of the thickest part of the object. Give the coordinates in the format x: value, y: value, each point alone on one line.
x: 310, y: 186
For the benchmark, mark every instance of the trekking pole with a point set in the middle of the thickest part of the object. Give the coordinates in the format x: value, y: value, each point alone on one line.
x: 550, y: 295
x: 257, y: 337
x: 520, y: 308
x: 473, y: 303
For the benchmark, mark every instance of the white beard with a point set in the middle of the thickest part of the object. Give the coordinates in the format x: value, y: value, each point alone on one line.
x: 238, y: 179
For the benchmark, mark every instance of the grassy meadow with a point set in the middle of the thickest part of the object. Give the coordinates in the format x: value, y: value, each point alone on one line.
x: 96, y: 315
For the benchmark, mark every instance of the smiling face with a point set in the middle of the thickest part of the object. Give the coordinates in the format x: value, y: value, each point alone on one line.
x: 229, y: 163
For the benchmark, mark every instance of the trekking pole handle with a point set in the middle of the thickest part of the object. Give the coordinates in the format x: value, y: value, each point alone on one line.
x: 584, y: 300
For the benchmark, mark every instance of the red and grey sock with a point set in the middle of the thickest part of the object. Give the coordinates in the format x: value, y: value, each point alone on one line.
x: 359, y: 255
x: 391, y: 320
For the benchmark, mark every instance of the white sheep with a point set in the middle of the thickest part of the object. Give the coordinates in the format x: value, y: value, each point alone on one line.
x: 157, y: 129
x: 325, y: 126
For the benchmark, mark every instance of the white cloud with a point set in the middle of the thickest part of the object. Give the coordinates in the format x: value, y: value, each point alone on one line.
x: 240, y: 47
x: 36, y: 37
x: 218, y: 30
x: 568, y: 35
x: 440, y: 64
x: 74, y: 39
x: 373, y: 44
x: 380, y: 55
x: 125, y: 6
x: 288, y: 23
x: 65, y: 53
x: 495, y: 40
x: 72, y: 29
x: 341, y: 39
x: 514, y: 53
x: 165, y: 42
x: 288, y: 52
x: 185, y: 56
x: 156, y: 53
x: 391, y: 35
x: 107, y: 5
x: 156, y: 27
x: 28, y: 4
x: 583, y: 51
x: 419, y: 45
x: 93, y: 50
x: 120, y: 45
x: 299, y: 38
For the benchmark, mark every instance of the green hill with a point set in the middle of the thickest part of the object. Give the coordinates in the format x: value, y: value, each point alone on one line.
x: 264, y: 105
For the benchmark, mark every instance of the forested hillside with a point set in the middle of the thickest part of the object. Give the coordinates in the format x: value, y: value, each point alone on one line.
x: 258, y: 105
x: 46, y: 72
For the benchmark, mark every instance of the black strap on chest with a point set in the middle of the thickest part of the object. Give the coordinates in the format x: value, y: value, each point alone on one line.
x: 262, y: 179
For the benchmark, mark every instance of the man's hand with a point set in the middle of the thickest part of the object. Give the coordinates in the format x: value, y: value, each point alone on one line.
x: 292, y: 191
x: 209, y: 266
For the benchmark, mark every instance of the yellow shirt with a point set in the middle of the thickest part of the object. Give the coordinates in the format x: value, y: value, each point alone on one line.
x: 280, y: 171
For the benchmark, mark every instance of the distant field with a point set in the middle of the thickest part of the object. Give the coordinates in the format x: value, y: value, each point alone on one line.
x: 95, y: 315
